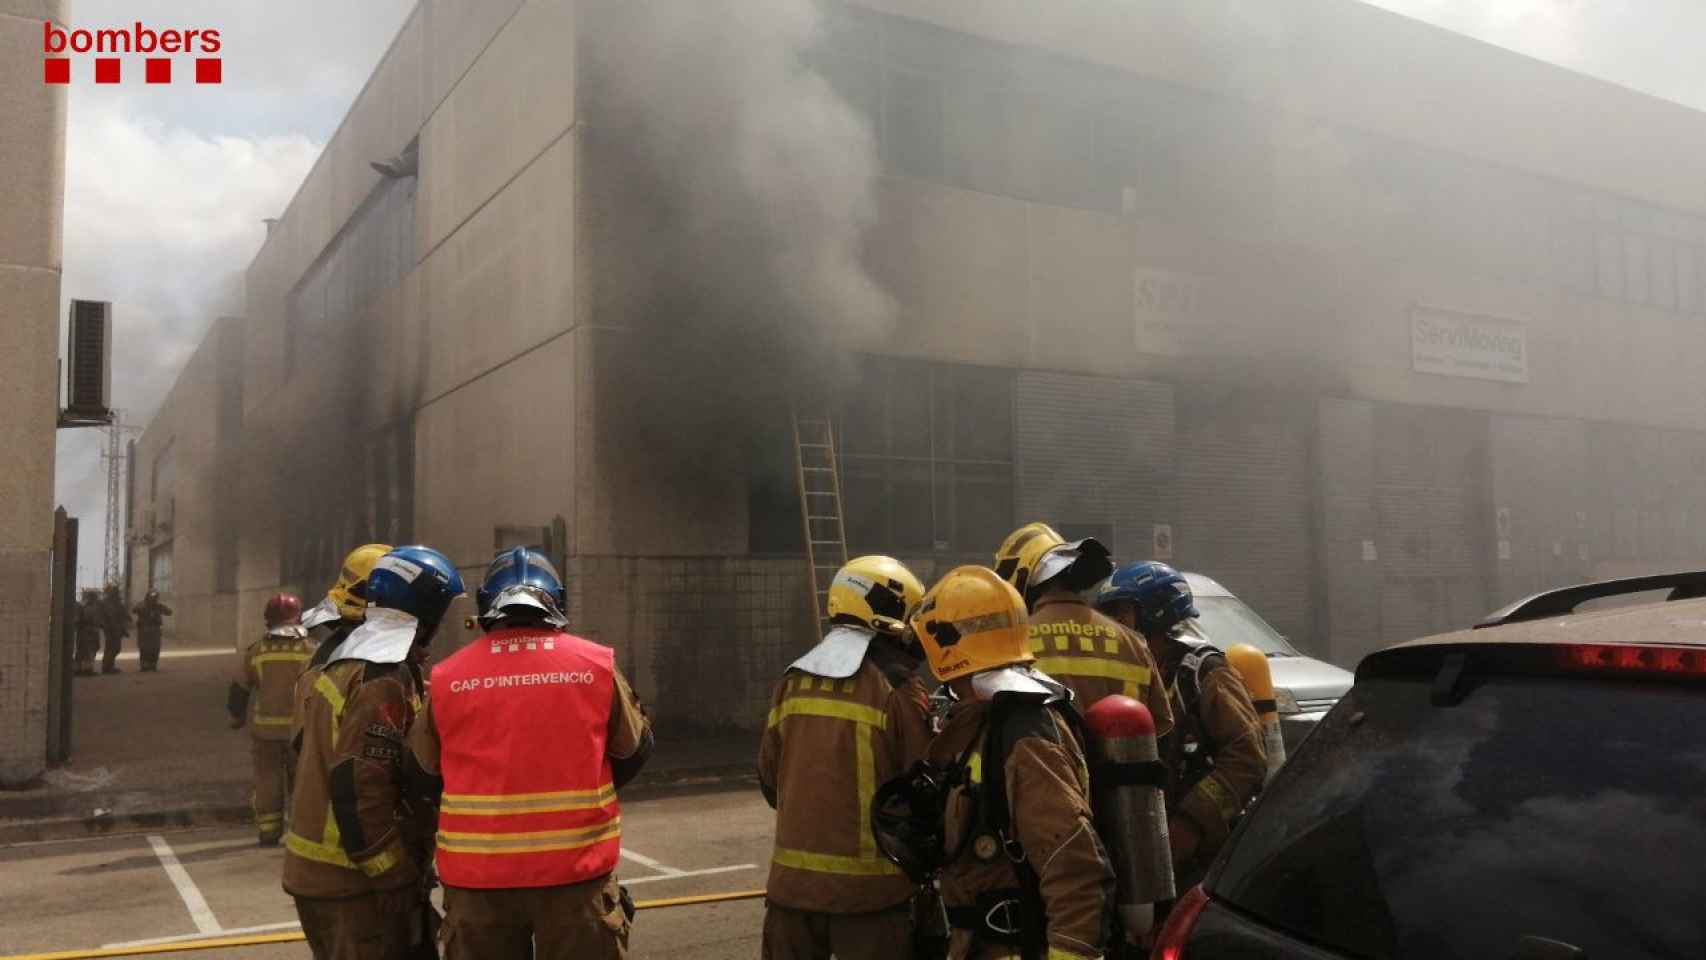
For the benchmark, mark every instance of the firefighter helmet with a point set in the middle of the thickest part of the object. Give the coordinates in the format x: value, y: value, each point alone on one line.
x: 875, y: 592
x: 416, y: 580
x: 1036, y: 554
x: 283, y: 610
x: 1160, y: 594
x: 521, y: 578
x: 350, y: 592
x: 970, y: 621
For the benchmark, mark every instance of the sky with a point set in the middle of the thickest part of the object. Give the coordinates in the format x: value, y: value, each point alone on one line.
x: 166, y: 186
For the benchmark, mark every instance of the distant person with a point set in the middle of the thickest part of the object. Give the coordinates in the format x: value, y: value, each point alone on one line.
x: 845, y: 718
x: 357, y: 851
x: 115, y: 623
x: 90, y: 616
x: 529, y: 829
x: 260, y: 695
x: 151, y: 617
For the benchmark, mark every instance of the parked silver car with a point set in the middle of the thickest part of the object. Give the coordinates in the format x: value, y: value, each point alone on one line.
x: 1304, y: 688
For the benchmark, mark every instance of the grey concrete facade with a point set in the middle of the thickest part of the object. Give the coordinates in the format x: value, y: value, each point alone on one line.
x: 32, y: 191
x: 1157, y: 277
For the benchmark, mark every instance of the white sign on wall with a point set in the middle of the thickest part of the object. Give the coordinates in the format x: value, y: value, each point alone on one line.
x: 1453, y: 344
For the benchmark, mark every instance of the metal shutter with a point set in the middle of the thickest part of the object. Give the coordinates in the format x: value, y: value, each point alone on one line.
x: 1094, y: 451
x: 1244, y: 503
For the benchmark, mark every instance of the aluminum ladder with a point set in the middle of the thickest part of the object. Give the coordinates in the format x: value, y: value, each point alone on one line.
x: 819, y: 480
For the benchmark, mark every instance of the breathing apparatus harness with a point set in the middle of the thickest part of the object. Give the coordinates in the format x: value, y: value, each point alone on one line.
x: 909, y: 821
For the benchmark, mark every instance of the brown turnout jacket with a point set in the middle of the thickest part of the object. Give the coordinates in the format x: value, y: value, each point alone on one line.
x: 267, y: 672
x: 1048, y: 798
x: 1094, y: 656
x: 828, y: 745
x: 1224, y: 729
x: 351, y: 833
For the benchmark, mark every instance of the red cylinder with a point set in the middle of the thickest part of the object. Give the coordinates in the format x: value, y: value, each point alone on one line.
x: 1131, y: 811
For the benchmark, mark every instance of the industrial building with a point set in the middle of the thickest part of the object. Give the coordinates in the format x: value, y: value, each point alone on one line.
x: 1377, y: 325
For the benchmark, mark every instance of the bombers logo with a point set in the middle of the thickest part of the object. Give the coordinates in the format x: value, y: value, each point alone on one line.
x: 157, y: 46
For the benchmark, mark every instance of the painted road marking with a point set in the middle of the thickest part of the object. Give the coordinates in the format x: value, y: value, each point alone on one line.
x: 199, y: 911
x: 208, y: 926
x: 646, y: 861
x: 680, y: 874
x: 175, y: 654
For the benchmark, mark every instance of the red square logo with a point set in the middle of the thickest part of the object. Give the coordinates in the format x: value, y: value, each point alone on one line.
x: 208, y: 70
x: 106, y: 69
x: 158, y: 69
x: 56, y: 70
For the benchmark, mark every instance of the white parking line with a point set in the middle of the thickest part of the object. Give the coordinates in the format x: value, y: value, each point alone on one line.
x: 646, y: 861
x: 199, y: 911
x: 680, y: 874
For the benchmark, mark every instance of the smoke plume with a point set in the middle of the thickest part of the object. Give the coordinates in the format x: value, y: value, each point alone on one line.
x: 733, y: 191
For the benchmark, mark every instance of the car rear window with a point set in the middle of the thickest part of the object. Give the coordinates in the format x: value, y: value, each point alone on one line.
x: 1566, y: 807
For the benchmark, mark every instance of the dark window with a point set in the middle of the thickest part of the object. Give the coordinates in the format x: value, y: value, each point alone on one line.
x: 927, y: 457
x: 1534, y: 806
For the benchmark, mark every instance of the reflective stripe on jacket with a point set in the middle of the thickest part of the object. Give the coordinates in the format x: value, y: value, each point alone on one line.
x: 268, y: 670
x: 355, y: 717
x: 522, y: 718
x: 828, y: 745
x: 1096, y: 657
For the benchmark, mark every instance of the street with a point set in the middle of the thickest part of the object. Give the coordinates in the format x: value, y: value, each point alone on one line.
x: 157, y: 888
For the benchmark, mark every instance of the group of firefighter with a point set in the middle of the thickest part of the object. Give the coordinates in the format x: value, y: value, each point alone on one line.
x: 1082, y: 757
x: 102, y: 623
x: 501, y: 785
x: 1086, y: 755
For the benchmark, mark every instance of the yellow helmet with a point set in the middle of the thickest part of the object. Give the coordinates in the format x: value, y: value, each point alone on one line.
x: 874, y: 591
x: 350, y: 592
x: 1035, y: 553
x: 971, y: 621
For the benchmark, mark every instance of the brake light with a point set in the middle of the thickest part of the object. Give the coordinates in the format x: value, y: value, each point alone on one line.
x: 1170, y: 945
x: 1623, y: 658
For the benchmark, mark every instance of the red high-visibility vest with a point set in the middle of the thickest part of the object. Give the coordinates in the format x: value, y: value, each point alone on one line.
x: 522, y: 718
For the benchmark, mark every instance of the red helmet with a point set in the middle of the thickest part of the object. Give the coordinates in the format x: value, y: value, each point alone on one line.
x: 283, y: 609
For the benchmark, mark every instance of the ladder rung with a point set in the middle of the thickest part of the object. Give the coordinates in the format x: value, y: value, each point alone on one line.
x: 836, y: 519
x: 818, y: 446
x: 818, y: 469
x: 826, y: 543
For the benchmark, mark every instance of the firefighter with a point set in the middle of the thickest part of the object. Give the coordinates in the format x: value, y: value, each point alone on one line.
x: 352, y: 857
x: 261, y: 696
x: 1025, y: 873
x: 1072, y: 642
x: 529, y: 733
x: 1216, y: 763
x: 115, y: 623
x: 151, y: 617
x: 846, y: 717
x: 330, y: 621
x: 89, y: 620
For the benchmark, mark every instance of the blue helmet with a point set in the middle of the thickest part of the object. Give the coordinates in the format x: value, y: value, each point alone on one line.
x: 520, y: 577
x: 416, y: 580
x: 1160, y: 593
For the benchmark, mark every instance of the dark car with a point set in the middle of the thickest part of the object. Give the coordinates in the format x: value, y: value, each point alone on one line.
x: 1533, y: 788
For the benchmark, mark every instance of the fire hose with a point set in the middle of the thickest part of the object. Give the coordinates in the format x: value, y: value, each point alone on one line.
x: 266, y: 939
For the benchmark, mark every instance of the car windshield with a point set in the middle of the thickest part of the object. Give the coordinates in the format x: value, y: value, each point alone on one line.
x: 1226, y: 622
x: 1533, y: 807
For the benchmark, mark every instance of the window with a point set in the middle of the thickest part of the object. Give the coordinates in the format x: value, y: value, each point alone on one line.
x: 1610, y: 266
x: 160, y: 569
x: 1635, y: 280
x: 1404, y: 819
x: 927, y: 457
x: 1663, y: 260
x: 1688, y: 293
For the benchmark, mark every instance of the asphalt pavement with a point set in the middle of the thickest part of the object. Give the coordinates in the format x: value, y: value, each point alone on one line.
x: 165, y: 886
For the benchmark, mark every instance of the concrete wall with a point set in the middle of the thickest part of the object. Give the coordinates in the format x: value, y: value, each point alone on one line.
x: 186, y: 497
x: 32, y: 189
